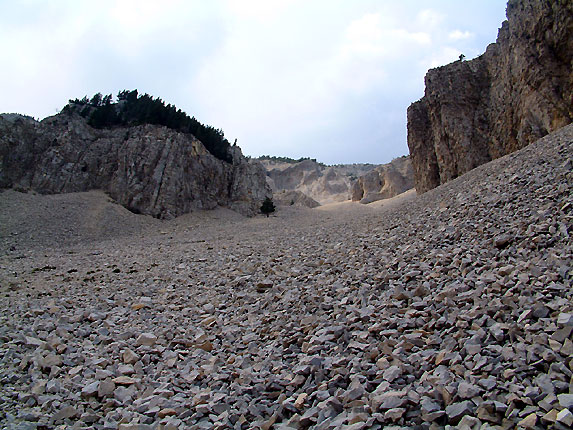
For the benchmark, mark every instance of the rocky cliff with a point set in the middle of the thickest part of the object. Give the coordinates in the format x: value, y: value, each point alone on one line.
x: 324, y: 184
x: 384, y: 181
x: 147, y: 168
x: 519, y: 90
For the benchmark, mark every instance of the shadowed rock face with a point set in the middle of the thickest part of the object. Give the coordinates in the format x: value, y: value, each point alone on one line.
x: 384, y: 182
x: 148, y: 169
x: 518, y: 91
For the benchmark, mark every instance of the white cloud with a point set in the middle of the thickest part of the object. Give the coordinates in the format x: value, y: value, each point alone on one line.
x: 429, y: 18
x: 260, y: 10
x: 460, y: 35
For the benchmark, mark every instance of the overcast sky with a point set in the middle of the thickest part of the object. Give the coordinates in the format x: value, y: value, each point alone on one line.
x: 327, y: 79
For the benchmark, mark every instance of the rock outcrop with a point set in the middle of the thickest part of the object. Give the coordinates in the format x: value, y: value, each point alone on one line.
x: 294, y: 198
x: 519, y: 90
x: 325, y: 184
x: 384, y: 182
x: 148, y: 169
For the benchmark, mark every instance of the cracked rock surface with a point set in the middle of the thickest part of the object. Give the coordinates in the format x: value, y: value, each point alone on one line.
x: 448, y: 310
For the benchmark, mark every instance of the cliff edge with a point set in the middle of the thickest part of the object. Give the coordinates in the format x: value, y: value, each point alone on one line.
x: 518, y: 91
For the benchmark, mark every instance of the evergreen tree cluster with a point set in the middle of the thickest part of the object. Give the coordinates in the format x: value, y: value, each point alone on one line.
x: 288, y: 159
x: 133, y: 109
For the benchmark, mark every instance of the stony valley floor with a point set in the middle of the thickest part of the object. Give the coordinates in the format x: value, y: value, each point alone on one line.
x: 453, y: 308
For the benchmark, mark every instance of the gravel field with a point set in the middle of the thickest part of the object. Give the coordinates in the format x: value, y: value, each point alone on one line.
x: 452, y: 309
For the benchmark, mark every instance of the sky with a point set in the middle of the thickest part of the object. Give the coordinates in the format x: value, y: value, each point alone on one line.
x: 326, y: 79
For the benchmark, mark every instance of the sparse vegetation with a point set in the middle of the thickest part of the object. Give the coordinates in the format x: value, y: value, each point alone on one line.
x: 288, y: 159
x: 267, y: 207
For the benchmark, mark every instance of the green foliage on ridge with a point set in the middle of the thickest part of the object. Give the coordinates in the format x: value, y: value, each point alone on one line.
x: 288, y: 159
x: 133, y: 109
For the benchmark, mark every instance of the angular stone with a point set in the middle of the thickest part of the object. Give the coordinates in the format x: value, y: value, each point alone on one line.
x: 469, y: 423
x: 146, y: 339
x: 123, y: 394
x: 125, y: 369
x: 565, y: 417
x: 487, y: 412
x: 529, y: 421
x: 428, y: 405
x: 124, y: 380
x: 565, y: 400
x: 65, y: 411
x: 565, y: 319
x: 392, y: 373
x: 299, y: 402
x: 106, y: 388
x: 502, y: 240
x: 135, y: 426
x: 432, y: 417
x: 391, y: 402
x: 165, y: 412
x: 91, y: 389
x: 456, y: 411
x: 129, y: 357
x: 394, y: 414
x: 467, y: 390
x: 540, y: 311
x: 550, y: 417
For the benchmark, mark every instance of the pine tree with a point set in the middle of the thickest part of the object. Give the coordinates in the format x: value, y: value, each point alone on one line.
x: 267, y: 207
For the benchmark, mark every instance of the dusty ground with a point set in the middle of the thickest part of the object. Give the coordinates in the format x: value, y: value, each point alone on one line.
x: 450, y: 308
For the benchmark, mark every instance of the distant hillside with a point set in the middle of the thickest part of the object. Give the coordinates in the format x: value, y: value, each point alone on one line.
x: 287, y: 160
x: 329, y: 184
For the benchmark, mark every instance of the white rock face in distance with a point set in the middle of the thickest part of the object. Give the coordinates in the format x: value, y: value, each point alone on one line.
x: 385, y: 181
x: 338, y: 183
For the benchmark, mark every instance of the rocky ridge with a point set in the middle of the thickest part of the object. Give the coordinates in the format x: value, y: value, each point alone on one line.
x: 451, y: 310
x: 328, y: 184
x: 519, y: 90
x: 384, y: 181
x: 324, y: 184
x: 148, y: 169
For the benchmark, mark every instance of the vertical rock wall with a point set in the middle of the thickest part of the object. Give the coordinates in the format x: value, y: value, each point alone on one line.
x: 519, y: 90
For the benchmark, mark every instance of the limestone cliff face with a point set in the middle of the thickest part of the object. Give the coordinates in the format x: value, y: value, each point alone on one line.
x: 519, y: 90
x: 384, y: 182
x: 324, y: 184
x: 148, y: 169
